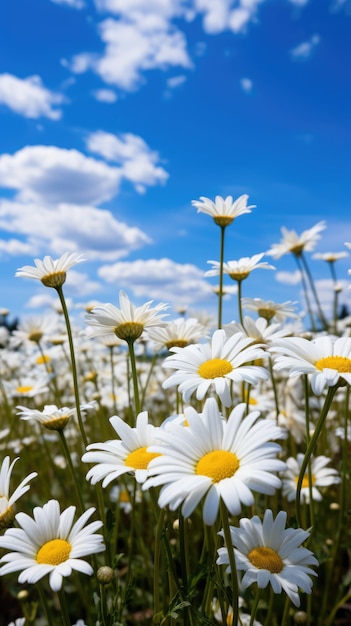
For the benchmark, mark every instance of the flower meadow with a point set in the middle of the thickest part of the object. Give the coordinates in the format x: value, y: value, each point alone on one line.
x: 168, y: 468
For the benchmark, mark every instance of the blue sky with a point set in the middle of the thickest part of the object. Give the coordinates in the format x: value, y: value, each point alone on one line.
x: 116, y: 114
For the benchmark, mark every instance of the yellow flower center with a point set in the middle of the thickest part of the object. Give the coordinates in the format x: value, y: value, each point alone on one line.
x: 140, y: 458
x: 43, y: 358
x: 239, y: 275
x: 339, y: 363
x: 124, y: 496
x: 7, y: 513
x: 266, y: 558
x: 35, y: 335
x: 54, y: 280
x: 223, y: 220
x: 129, y: 331
x: 57, y: 423
x: 218, y: 465
x: 305, y: 481
x: 266, y: 313
x: 215, y: 368
x: 24, y: 389
x: 178, y: 343
x: 54, y: 552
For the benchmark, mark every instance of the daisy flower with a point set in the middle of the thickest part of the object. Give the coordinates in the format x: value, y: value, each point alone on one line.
x: 258, y: 330
x: 270, y: 553
x: 215, y: 458
x: 52, y: 273
x: 180, y: 332
x: 127, y: 322
x: 50, y: 544
x: 7, y: 501
x: 33, y: 329
x: 215, y: 364
x: 270, y: 309
x: 326, y: 359
x: 322, y: 476
x: 330, y: 257
x: 130, y: 454
x: 292, y: 242
x: 241, y: 269
x: 52, y: 417
x: 223, y: 210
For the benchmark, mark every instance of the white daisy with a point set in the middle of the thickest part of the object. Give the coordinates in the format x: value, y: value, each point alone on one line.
x: 127, y: 322
x: 330, y: 257
x: 215, y: 364
x: 241, y: 269
x: 180, y: 332
x: 52, y: 273
x: 223, y: 210
x: 269, y: 309
x: 215, y: 458
x: 270, y: 553
x: 130, y: 454
x: 325, y: 358
x: 292, y: 242
x: 258, y: 330
x: 50, y: 544
x: 7, y: 501
x: 52, y: 417
x: 321, y: 476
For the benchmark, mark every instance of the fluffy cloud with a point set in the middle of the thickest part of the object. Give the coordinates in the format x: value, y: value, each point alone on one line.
x: 138, y: 163
x: 160, y: 279
x: 50, y: 175
x: 305, y: 49
x: 288, y: 278
x: 246, y: 84
x: 133, y: 45
x: 29, y: 97
x: 105, y: 95
x: 41, y: 230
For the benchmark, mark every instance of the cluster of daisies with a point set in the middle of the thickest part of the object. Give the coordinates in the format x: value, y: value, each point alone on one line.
x: 236, y: 431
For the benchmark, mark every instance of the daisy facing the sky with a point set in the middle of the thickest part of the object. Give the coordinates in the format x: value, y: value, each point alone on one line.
x: 223, y: 210
x: 215, y: 364
x: 241, y: 269
x: 215, y: 459
x: 269, y: 553
x: 327, y: 360
x: 50, y: 544
x: 51, y: 272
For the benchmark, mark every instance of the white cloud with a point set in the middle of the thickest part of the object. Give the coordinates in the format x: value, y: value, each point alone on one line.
x: 246, y: 84
x: 29, y: 97
x: 176, y: 81
x: 67, y: 228
x: 138, y: 162
x: 288, y: 278
x: 305, y: 49
x: 105, y: 95
x: 159, y: 279
x: 74, y: 4
x: 47, y: 174
x: 133, y: 45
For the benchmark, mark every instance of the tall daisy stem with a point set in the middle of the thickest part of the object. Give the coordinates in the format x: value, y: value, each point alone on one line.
x: 134, y: 375
x: 72, y: 470
x: 49, y: 619
x: 255, y: 607
x: 221, y: 261
x: 232, y: 563
x: 64, y: 608
x: 310, y: 449
x: 73, y: 364
x: 314, y: 291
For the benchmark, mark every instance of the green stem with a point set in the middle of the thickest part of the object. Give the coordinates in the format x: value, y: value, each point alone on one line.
x: 73, y: 364
x: 113, y: 383
x: 255, y: 607
x: 310, y: 449
x: 308, y: 438
x: 72, y: 470
x: 286, y: 612
x: 239, y: 302
x: 305, y: 290
x: 134, y: 376
x: 232, y: 563
x: 221, y: 261
x: 50, y: 621
x: 314, y: 291
x: 64, y: 608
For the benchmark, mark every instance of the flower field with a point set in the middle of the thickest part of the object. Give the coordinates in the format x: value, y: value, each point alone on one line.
x: 167, y: 469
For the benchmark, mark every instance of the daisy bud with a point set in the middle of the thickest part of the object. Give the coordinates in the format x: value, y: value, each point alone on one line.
x: 300, y: 617
x: 105, y: 574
